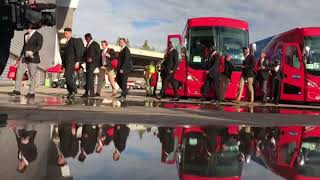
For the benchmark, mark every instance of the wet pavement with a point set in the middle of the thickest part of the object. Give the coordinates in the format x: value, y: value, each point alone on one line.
x: 80, y: 151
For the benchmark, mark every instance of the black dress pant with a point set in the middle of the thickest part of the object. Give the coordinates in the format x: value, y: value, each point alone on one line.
x: 209, y: 82
x: 166, y: 79
x: 122, y: 80
x: 90, y: 79
x: 69, y: 75
x: 276, y: 89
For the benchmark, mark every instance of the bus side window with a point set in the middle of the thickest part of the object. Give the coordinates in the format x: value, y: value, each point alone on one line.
x: 292, y: 57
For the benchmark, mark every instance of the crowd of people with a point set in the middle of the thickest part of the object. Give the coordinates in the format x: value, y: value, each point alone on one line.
x: 93, y: 55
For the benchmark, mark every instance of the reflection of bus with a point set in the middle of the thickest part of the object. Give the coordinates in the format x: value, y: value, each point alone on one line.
x: 299, y: 53
x: 296, y: 154
x: 227, y: 35
x: 205, y: 155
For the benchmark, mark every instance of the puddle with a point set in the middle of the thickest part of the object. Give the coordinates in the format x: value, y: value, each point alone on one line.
x: 82, y: 151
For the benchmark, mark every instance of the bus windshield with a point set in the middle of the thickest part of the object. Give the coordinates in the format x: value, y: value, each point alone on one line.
x: 310, y: 153
x: 225, y: 40
x: 313, y: 60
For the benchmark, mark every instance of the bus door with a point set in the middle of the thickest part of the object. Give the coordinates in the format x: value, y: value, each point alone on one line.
x: 292, y: 85
x: 180, y: 74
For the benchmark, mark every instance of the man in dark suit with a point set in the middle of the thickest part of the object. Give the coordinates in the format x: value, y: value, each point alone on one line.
x: 264, y: 70
x: 92, y: 60
x: 120, y: 136
x: 69, y: 145
x: 124, y: 67
x: 29, y: 59
x: 213, y: 76
x: 225, y: 76
x: 71, y: 58
x: 27, y: 150
x: 168, y: 69
x: 88, y: 140
x: 277, y: 76
x: 247, y: 75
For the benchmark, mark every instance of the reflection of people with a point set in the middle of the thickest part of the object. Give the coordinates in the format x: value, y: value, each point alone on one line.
x: 107, y: 55
x: 166, y: 138
x: 120, y: 136
x: 247, y: 75
x: 29, y: 59
x: 88, y: 141
x: 91, y: 58
x: 27, y: 150
x: 263, y: 66
x: 69, y: 145
x: 105, y: 136
x: 213, y: 76
x: 168, y: 69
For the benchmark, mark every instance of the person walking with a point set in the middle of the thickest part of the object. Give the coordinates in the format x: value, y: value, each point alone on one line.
x: 225, y: 76
x: 263, y: 71
x: 247, y: 75
x: 213, y: 76
x: 29, y: 59
x: 148, y: 74
x: 168, y: 69
x: 91, y: 58
x: 71, y: 58
x: 124, y: 67
x: 106, y: 68
x: 276, y: 82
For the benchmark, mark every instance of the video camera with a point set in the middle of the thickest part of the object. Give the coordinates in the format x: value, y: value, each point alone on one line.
x: 21, y: 14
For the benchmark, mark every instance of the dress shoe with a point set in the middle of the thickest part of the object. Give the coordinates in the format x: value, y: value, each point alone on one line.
x: 15, y: 93
x: 98, y: 94
x: 85, y: 96
x: 122, y: 98
x: 203, y: 99
x: 29, y: 95
x: 175, y: 99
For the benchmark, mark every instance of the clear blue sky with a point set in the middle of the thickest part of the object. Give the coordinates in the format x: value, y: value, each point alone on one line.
x: 151, y: 20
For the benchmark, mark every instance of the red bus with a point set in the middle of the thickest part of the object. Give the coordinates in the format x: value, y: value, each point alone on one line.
x: 227, y: 35
x: 296, y: 154
x: 299, y: 53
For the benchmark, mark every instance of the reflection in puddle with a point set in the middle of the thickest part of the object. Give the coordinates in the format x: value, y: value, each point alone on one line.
x: 137, y: 151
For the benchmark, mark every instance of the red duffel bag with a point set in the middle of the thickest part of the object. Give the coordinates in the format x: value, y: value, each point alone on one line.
x: 12, y: 73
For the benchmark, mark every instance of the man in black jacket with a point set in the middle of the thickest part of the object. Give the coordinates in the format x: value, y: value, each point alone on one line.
x: 168, y: 69
x: 124, y: 67
x: 92, y: 60
x: 277, y: 76
x: 213, y: 76
x: 71, y: 58
x: 29, y: 59
x: 247, y: 75
x: 120, y: 136
x: 27, y: 150
x: 263, y: 75
x: 225, y: 76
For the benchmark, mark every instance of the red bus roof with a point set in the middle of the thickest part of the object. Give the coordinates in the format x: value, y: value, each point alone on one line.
x: 217, y: 21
